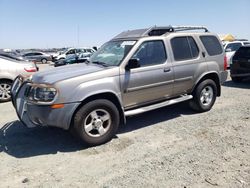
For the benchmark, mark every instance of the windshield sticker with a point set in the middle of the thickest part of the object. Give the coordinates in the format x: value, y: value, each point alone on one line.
x: 128, y: 43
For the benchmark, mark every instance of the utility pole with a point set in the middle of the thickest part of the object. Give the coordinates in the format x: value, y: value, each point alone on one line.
x: 78, y: 35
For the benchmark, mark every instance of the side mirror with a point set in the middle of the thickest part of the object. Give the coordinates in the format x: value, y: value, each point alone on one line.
x: 133, y: 63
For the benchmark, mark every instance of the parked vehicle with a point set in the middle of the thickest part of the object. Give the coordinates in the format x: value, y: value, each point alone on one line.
x: 74, y: 51
x: 135, y: 72
x: 231, y: 48
x: 240, y: 67
x: 38, y: 57
x: 13, y: 56
x: 10, y: 68
x: 81, y: 58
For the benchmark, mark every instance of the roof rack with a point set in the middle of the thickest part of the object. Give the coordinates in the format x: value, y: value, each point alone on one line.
x: 185, y: 28
x: 157, y: 31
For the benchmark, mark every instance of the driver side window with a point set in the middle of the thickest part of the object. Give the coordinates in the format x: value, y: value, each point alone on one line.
x: 70, y: 52
x: 151, y: 53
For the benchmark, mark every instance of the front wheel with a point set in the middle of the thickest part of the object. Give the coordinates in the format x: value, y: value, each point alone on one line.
x: 5, y: 87
x: 96, y: 122
x: 204, y: 96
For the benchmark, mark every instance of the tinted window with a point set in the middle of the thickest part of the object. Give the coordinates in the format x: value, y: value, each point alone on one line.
x: 233, y: 46
x: 246, y: 43
x: 70, y: 52
x: 212, y: 45
x: 181, y: 48
x: 38, y: 53
x: 80, y: 50
x: 243, y: 52
x: 29, y: 54
x: 194, y: 47
x: 151, y: 53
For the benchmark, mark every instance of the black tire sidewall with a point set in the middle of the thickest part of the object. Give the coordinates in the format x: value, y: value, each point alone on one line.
x: 85, y: 110
x: 201, y: 86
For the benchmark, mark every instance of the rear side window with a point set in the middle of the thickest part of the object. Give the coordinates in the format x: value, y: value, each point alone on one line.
x: 246, y: 43
x: 193, y: 46
x: 184, y: 48
x: 38, y: 53
x: 243, y: 52
x: 233, y: 46
x: 212, y: 45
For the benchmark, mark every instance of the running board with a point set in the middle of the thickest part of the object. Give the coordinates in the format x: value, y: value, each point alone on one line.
x: 158, y: 105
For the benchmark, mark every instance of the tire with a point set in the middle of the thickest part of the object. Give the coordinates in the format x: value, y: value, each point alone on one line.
x: 236, y: 79
x: 204, y: 96
x: 96, y: 122
x: 44, y: 61
x: 5, y: 87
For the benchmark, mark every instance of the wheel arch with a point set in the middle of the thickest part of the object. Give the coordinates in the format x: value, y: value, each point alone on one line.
x: 104, y: 95
x: 213, y: 76
x: 6, y: 79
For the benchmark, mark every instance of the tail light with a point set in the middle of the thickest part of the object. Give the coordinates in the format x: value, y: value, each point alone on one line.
x: 30, y: 69
x: 225, y: 62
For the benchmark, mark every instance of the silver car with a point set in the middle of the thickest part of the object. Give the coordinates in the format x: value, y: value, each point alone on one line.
x: 10, y: 68
x: 38, y: 57
x: 135, y: 72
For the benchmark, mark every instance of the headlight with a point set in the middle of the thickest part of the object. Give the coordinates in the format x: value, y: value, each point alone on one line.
x: 41, y: 93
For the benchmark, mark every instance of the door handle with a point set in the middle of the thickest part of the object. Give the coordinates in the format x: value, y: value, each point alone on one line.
x: 167, y: 69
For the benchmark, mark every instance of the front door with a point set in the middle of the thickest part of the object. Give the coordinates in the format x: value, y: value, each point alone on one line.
x: 150, y: 82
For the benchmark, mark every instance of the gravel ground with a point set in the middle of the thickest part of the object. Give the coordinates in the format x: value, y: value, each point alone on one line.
x: 168, y: 147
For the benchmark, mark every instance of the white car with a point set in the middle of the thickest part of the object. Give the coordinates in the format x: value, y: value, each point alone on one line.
x: 10, y: 68
x: 231, y: 47
x: 71, y: 51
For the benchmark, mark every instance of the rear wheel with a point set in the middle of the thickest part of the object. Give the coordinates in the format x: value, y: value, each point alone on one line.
x: 96, y: 122
x: 5, y: 86
x: 204, y: 96
x: 44, y: 61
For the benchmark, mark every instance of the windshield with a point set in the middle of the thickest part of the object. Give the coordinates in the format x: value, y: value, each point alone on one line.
x: 112, y: 53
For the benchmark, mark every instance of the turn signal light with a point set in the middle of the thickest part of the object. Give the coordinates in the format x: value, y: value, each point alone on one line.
x: 56, y: 106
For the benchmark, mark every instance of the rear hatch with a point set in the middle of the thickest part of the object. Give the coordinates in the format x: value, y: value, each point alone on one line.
x: 241, y: 60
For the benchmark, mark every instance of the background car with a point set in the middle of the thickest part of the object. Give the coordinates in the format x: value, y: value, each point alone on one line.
x: 71, y: 51
x: 10, y: 68
x: 240, y: 67
x: 38, y: 57
x: 231, y: 47
x: 72, y: 59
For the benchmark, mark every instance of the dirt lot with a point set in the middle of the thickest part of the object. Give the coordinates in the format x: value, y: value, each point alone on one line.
x: 169, y: 147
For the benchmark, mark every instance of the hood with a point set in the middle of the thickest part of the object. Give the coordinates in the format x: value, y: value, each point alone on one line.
x: 53, y: 75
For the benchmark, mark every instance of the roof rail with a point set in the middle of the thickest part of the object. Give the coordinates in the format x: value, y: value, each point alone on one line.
x: 157, y: 31
x: 185, y: 28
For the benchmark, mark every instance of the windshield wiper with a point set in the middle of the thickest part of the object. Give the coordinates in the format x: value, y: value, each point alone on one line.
x: 100, y: 63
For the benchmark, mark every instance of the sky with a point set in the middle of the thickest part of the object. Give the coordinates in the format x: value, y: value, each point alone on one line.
x: 79, y: 23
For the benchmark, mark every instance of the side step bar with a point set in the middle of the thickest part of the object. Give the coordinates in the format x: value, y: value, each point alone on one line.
x: 158, y: 105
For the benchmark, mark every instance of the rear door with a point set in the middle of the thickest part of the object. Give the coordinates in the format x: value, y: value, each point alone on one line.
x: 188, y: 62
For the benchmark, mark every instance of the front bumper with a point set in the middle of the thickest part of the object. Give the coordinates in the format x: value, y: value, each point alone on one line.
x: 32, y: 114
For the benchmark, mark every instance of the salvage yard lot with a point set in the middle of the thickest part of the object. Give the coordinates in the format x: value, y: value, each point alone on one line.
x: 168, y: 147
